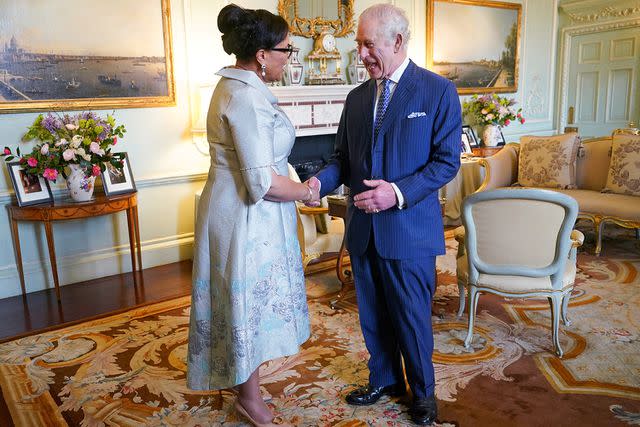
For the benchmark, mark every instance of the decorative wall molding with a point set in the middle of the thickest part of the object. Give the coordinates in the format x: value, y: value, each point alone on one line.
x: 534, y: 101
x: 7, y: 196
x: 608, y: 12
x: 565, y: 54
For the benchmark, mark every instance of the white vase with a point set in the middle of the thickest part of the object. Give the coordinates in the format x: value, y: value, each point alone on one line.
x: 491, y: 136
x: 80, y: 186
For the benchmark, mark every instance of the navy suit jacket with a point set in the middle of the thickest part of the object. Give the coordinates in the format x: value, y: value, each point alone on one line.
x: 417, y: 148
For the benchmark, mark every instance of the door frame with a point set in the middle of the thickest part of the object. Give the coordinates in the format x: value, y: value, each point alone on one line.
x: 567, y: 45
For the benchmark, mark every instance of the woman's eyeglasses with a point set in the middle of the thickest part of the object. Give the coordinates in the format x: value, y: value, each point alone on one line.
x: 289, y: 49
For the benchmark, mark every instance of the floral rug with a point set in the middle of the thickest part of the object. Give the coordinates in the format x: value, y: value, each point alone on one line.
x: 129, y: 369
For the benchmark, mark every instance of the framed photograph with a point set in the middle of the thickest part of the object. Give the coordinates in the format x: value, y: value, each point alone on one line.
x: 70, y: 65
x: 471, y: 136
x: 484, y: 56
x: 466, y: 146
x: 30, y: 189
x: 118, y: 181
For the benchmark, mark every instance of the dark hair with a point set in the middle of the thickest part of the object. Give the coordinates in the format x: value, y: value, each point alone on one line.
x: 246, y: 31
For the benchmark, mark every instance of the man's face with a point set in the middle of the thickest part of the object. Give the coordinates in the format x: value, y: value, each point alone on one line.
x: 376, y: 52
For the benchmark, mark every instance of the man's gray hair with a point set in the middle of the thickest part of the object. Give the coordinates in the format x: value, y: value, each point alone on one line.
x: 392, y: 20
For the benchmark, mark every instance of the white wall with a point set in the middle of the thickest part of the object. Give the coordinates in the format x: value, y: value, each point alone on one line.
x: 169, y: 167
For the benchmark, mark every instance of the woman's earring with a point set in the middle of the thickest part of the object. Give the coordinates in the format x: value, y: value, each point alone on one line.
x: 264, y: 70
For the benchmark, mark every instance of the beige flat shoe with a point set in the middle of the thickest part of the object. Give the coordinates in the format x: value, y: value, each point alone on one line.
x: 245, y: 414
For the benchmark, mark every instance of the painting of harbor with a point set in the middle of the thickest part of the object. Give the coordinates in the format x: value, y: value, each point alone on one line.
x: 475, y: 44
x: 73, y: 64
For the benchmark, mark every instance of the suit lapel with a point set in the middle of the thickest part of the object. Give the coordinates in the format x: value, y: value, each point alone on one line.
x: 367, y: 107
x: 400, y: 97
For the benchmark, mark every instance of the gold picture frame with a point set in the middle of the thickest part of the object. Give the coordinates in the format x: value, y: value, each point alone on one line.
x: 122, y: 59
x: 310, y: 26
x: 475, y: 44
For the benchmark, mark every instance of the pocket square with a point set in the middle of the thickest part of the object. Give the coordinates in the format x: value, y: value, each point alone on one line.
x: 416, y: 114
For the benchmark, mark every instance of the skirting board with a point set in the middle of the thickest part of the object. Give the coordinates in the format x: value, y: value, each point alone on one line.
x: 92, y: 265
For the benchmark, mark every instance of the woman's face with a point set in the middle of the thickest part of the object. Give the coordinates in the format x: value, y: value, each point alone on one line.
x: 275, y: 61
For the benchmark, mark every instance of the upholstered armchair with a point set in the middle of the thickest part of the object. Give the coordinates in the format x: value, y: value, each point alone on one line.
x: 518, y: 243
x: 317, y: 231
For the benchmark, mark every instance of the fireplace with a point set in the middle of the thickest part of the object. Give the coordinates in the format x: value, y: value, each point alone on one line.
x: 311, y: 153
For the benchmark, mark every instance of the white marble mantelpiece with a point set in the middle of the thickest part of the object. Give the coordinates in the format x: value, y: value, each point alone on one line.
x: 313, y: 110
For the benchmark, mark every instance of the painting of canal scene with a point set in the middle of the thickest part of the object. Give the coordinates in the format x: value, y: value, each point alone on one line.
x: 475, y: 44
x: 73, y: 54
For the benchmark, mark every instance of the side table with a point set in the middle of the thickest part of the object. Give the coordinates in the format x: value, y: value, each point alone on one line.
x: 63, y: 210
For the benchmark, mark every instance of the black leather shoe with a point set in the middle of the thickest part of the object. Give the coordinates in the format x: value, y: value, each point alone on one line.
x: 424, y: 411
x: 368, y: 395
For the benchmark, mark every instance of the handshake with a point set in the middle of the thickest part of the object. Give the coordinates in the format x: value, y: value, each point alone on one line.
x: 313, y: 184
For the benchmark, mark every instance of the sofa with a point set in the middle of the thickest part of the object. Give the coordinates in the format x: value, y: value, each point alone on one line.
x: 591, y: 177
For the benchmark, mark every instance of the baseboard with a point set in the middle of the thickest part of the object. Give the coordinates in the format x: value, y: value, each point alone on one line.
x: 95, y: 264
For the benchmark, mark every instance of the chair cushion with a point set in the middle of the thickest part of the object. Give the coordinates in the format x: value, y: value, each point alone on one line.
x: 624, y: 168
x: 548, y: 162
x: 515, y: 284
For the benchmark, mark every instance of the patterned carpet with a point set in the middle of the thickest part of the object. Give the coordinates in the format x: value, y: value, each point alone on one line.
x: 128, y: 369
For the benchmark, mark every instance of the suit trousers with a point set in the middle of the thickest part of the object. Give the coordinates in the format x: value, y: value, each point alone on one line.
x: 394, y: 301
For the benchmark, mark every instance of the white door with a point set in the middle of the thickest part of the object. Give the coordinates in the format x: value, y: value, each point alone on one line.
x: 603, y: 81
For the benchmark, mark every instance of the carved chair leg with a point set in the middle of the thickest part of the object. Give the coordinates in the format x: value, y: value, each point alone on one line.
x: 473, y: 304
x: 555, y: 301
x: 565, y: 306
x: 599, y: 226
x: 462, y: 298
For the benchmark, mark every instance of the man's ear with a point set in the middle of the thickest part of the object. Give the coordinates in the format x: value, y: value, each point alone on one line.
x: 398, y: 43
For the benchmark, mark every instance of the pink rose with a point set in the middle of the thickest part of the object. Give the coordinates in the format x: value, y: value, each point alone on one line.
x: 69, y: 154
x: 506, y: 122
x: 7, y: 151
x: 96, y: 170
x: 115, y: 140
x: 522, y: 120
x: 50, y: 174
x: 32, y: 161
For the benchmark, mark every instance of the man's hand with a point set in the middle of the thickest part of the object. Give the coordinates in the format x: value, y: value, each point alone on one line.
x: 381, y: 196
x: 314, y: 184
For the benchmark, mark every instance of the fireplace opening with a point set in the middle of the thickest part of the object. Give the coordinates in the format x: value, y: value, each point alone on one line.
x: 311, y: 153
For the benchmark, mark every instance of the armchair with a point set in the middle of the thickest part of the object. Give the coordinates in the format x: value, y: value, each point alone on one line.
x: 317, y: 232
x: 518, y: 243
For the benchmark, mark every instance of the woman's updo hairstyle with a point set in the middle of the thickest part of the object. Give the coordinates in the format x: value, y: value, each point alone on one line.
x: 246, y: 31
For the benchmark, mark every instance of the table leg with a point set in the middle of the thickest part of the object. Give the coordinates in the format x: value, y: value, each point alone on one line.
x: 132, y: 244
x: 137, y: 224
x: 16, y: 247
x: 52, y: 256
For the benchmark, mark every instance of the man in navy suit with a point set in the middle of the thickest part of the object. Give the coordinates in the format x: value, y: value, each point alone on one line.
x: 397, y: 144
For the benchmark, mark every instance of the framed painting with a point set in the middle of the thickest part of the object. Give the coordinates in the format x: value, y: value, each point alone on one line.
x: 475, y: 44
x: 63, y: 55
x: 30, y: 189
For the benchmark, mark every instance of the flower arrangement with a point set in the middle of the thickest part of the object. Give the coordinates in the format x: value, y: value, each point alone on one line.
x: 84, y: 139
x: 492, y: 109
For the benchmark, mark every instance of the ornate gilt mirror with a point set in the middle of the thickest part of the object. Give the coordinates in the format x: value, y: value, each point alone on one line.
x: 308, y: 18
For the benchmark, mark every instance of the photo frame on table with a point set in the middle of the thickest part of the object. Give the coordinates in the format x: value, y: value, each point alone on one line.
x: 471, y: 136
x: 118, y: 181
x: 484, y: 58
x: 71, y: 66
x: 466, y: 147
x: 30, y: 189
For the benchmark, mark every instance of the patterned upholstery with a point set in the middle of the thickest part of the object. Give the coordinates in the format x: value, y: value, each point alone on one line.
x: 624, y: 168
x: 548, y: 162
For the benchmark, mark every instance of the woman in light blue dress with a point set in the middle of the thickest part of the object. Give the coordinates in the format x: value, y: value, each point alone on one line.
x: 248, y: 299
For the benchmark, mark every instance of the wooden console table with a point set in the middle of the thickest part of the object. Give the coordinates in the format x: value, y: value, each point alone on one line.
x: 64, y: 210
